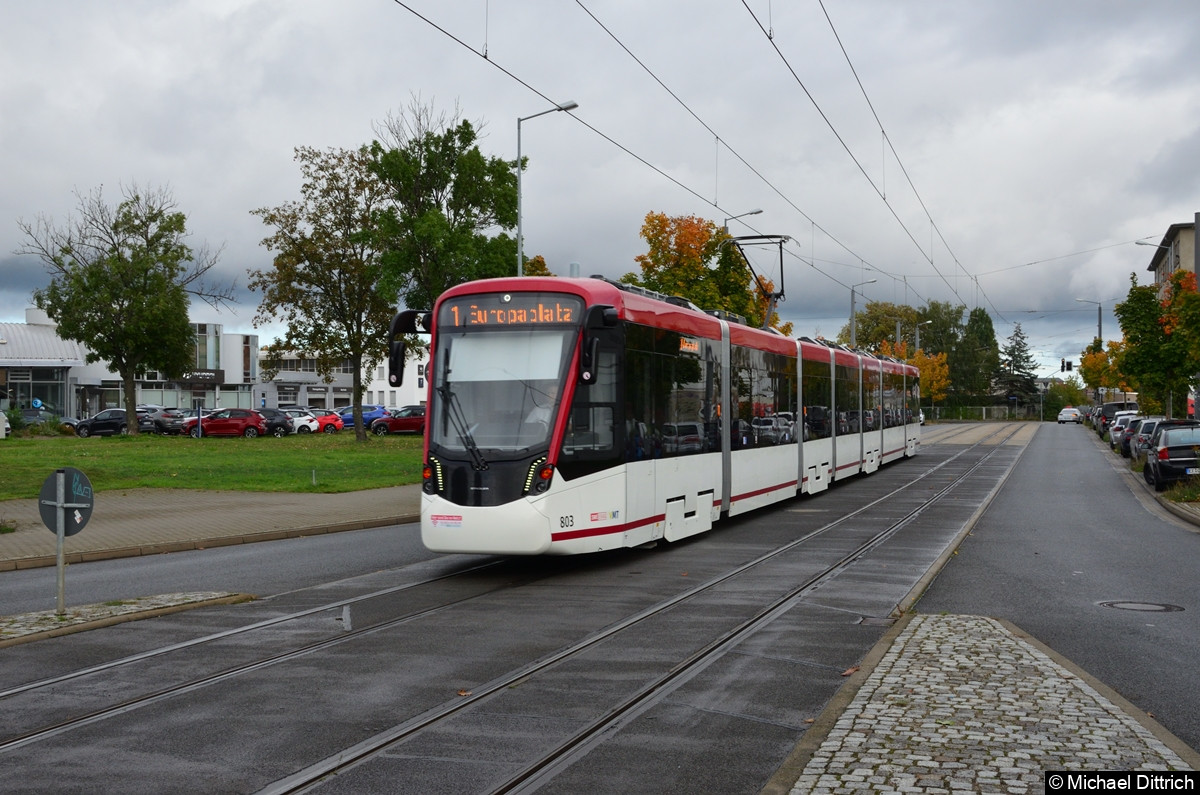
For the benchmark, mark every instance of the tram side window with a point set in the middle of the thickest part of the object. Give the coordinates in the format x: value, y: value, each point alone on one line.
x: 591, y: 443
x: 849, y: 419
x: 764, y: 398
x: 783, y: 375
x: 893, y: 399
x: 816, y: 390
x: 671, y: 385
x: 872, y: 397
x: 914, y: 400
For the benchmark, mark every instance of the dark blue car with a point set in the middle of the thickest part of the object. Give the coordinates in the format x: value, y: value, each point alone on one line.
x: 370, y: 412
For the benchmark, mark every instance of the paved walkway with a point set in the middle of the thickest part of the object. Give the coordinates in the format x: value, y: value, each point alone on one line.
x: 943, y: 704
x: 134, y: 521
x: 969, y: 704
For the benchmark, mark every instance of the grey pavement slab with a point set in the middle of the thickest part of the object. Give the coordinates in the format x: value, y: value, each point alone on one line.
x: 132, y: 522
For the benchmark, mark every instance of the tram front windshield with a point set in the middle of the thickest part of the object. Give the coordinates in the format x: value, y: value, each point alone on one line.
x: 498, y: 388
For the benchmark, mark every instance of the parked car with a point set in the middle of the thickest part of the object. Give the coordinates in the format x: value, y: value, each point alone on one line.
x: 279, y: 424
x: 410, y: 419
x: 1104, y: 415
x: 1070, y: 414
x: 328, y: 420
x: 682, y: 437
x: 1141, y: 440
x: 227, y: 422
x: 370, y: 413
x: 764, y: 430
x: 1117, y: 426
x: 1172, y: 455
x: 39, y: 417
x: 1127, y: 435
x: 5, y: 428
x: 164, y: 420
x: 111, y: 422
x: 303, y: 421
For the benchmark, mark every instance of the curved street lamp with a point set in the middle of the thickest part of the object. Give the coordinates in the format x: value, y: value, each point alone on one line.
x: 570, y: 104
x: 917, y: 332
x: 725, y: 225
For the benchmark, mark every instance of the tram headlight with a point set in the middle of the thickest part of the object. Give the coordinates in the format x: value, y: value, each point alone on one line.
x: 537, y: 479
x: 544, y: 475
x: 431, y: 476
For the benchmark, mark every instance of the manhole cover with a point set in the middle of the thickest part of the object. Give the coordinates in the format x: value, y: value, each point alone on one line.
x: 873, y: 621
x: 1144, y: 607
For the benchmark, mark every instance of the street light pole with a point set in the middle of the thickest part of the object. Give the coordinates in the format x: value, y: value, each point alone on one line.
x: 853, y: 319
x: 568, y: 105
x: 918, y: 334
x: 1099, y: 318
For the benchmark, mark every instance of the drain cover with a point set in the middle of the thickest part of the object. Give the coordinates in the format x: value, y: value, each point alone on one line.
x: 1144, y: 607
x: 873, y: 621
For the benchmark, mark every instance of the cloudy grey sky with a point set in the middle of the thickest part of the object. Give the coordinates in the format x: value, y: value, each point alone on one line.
x: 1042, y: 136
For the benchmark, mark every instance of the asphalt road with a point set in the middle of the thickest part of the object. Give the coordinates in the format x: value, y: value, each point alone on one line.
x: 264, y: 570
x: 1069, y: 532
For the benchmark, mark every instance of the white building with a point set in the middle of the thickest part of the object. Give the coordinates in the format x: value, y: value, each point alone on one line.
x: 412, y: 392
x: 40, y: 369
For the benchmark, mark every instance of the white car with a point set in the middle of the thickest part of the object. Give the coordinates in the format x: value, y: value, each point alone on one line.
x: 1070, y: 415
x: 5, y: 429
x: 303, y: 421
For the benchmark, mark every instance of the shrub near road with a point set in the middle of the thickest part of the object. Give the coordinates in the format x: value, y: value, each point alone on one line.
x: 178, y: 462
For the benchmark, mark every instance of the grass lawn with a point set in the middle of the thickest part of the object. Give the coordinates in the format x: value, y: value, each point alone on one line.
x: 299, y: 463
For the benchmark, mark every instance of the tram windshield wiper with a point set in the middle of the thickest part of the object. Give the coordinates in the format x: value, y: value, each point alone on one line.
x: 453, y: 411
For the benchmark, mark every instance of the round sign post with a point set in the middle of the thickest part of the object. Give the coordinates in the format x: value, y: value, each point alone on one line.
x: 66, y: 488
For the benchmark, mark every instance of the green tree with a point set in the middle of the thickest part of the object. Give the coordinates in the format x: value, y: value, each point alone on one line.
x: 443, y: 197
x: 975, y: 359
x: 1061, y: 394
x: 324, y: 282
x: 120, y: 281
x: 876, y: 322
x: 1016, y: 376
x: 941, y: 326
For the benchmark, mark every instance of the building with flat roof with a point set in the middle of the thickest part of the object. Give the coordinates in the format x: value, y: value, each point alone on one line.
x: 1176, y: 251
x: 39, y: 369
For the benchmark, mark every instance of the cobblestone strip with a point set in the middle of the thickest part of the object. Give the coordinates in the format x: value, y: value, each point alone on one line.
x: 959, y: 704
x: 17, y: 626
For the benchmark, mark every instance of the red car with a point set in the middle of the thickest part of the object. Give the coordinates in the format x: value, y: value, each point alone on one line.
x: 331, y: 421
x: 410, y: 419
x: 228, y: 422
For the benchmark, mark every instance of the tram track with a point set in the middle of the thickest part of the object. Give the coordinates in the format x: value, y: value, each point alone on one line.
x: 571, y: 748
x: 566, y: 749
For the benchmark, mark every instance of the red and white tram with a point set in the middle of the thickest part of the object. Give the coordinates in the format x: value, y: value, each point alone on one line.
x: 579, y: 415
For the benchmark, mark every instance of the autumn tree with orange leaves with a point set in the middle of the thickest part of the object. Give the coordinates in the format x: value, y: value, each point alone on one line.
x: 935, y: 368
x: 1161, y: 339
x: 691, y: 257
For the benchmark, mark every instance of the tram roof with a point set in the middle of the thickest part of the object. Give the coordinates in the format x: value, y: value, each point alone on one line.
x: 672, y: 313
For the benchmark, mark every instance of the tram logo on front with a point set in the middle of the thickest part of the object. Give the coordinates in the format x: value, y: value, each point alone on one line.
x: 445, y: 520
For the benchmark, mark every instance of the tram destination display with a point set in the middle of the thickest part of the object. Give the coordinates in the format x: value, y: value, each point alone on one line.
x: 510, y: 309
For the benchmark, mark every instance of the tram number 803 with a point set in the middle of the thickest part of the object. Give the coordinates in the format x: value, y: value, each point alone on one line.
x: 566, y: 521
